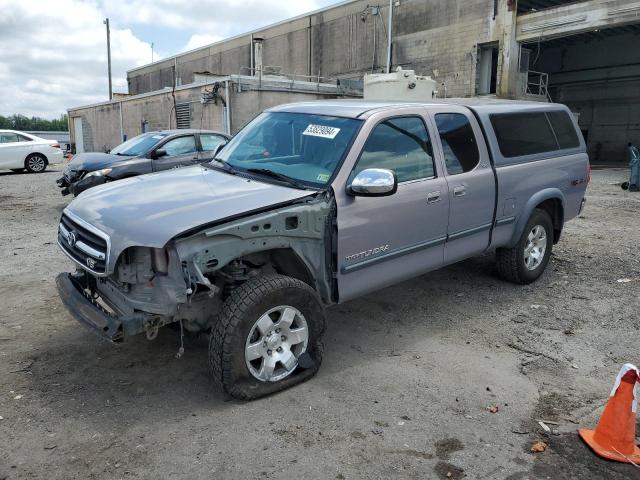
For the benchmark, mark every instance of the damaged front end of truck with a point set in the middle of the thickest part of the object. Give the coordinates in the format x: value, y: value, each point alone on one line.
x: 188, y: 279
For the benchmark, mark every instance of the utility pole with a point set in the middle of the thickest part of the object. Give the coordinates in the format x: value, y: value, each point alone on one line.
x: 106, y: 22
x: 151, y: 52
x: 390, y: 32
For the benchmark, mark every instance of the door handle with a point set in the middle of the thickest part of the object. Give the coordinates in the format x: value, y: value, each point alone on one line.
x: 459, y: 191
x: 433, y: 197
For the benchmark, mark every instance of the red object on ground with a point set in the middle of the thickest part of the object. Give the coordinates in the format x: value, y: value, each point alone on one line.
x: 615, y: 436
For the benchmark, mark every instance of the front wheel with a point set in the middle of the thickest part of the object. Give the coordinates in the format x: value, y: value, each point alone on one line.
x: 267, y: 337
x: 527, y: 260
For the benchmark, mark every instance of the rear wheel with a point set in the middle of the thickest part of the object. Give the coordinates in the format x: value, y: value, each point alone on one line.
x: 36, y: 163
x: 267, y: 337
x: 527, y: 260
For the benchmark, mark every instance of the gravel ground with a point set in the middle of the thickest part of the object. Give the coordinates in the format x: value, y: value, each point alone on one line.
x: 403, y: 392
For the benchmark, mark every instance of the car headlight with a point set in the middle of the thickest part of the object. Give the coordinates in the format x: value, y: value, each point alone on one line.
x: 99, y: 173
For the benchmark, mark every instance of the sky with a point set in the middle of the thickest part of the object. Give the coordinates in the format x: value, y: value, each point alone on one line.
x: 53, y: 53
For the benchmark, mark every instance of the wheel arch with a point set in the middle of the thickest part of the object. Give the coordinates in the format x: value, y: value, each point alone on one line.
x: 550, y: 200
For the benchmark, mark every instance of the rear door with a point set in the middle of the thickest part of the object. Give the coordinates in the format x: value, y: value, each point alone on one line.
x: 383, y: 240
x: 470, y: 179
x: 181, y: 151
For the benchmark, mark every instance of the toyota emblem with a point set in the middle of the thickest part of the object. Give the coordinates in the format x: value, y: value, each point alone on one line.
x: 71, y: 239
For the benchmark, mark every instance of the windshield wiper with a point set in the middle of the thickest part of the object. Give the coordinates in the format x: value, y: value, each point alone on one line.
x: 279, y: 176
x: 225, y: 166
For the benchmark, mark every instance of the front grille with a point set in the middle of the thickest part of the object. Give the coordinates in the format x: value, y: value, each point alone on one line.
x: 87, y: 247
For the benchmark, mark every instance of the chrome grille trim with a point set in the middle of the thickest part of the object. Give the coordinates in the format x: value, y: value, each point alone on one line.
x: 87, y: 249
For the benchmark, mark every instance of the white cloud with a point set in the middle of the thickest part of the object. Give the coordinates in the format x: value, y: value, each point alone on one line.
x: 210, y: 20
x: 219, y: 18
x: 54, y: 56
x: 200, y: 40
x: 53, y: 53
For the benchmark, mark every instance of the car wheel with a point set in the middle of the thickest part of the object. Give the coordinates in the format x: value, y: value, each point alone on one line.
x: 267, y: 337
x: 35, y: 163
x: 527, y: 260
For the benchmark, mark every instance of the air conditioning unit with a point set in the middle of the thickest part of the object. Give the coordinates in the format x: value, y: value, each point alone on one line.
x: 401, y: 85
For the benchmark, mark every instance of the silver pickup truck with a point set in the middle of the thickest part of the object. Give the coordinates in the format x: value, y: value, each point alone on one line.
x: 313, y: 204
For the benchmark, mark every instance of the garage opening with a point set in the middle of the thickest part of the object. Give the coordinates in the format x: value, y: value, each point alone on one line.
x: 596, y: 74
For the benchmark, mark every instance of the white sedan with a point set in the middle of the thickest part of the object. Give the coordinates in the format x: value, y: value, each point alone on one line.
x: 19, y: 151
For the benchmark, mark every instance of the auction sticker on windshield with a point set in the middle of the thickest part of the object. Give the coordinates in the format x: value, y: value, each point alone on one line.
x: 321, y: 131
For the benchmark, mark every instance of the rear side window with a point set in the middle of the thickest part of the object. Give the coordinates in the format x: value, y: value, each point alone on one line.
x: 210, y: 142
x: 521, y: 134
x: 458, y: 142
x: 564, y: 128
x: 401, y: 145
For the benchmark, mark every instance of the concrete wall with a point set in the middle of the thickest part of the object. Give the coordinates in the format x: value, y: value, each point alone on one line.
x: 429, y: 35
x: 101, y: 123
x: 599, y: 79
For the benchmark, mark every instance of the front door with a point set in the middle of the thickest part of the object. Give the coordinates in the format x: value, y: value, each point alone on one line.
x: 471, y: 182
x: 383, y: 240
x: 181, y: 151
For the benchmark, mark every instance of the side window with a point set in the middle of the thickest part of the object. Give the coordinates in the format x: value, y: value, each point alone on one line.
x: 458, y: 142
x: 210, y: 142
x: 22, y: 138
x: 9, y: 138
x: 522, y: 134
x: 180, y: 146
x: 401, y: 145
x: 564, y: 128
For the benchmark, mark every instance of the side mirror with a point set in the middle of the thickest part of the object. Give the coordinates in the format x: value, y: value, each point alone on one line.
x: 373, y: 182
x: 161, y: 152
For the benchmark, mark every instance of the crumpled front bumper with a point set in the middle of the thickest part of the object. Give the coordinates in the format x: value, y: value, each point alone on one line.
x: 85, y: 308
x: 77, y: 187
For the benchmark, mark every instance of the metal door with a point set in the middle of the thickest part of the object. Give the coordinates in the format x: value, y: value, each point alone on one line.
x: 78, y: 134
x: 471, y: 182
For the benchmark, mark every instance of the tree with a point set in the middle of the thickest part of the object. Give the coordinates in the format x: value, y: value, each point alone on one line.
x: 21, y: 122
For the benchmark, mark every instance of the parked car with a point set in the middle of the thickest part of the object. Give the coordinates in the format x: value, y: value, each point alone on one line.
x: 146, y: 153
x: 20, y: 151
x: 315, y: 204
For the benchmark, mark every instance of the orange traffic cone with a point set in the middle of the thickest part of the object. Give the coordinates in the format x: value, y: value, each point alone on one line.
x: 615, y: 436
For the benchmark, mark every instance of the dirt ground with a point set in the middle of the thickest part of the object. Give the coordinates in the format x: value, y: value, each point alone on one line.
x: 403, y: 392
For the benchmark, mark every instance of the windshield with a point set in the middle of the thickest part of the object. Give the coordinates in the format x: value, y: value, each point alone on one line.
x: 307, y: 148
x: 138, y: 145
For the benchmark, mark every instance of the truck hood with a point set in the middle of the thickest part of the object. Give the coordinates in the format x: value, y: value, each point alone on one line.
x: 150, y: 210
x: 93, y: 161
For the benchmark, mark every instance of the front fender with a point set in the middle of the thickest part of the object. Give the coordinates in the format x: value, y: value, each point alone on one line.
x: 535, y: 200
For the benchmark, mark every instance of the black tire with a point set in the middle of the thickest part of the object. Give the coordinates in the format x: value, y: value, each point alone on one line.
x: 235, y: 321
x: 36, y: 163
x: 511, y: 261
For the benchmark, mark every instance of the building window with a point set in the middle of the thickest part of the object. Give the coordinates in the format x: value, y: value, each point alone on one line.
x: 183, y: 115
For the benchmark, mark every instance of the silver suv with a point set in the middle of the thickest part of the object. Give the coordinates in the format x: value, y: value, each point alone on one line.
x: 314, y: 204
